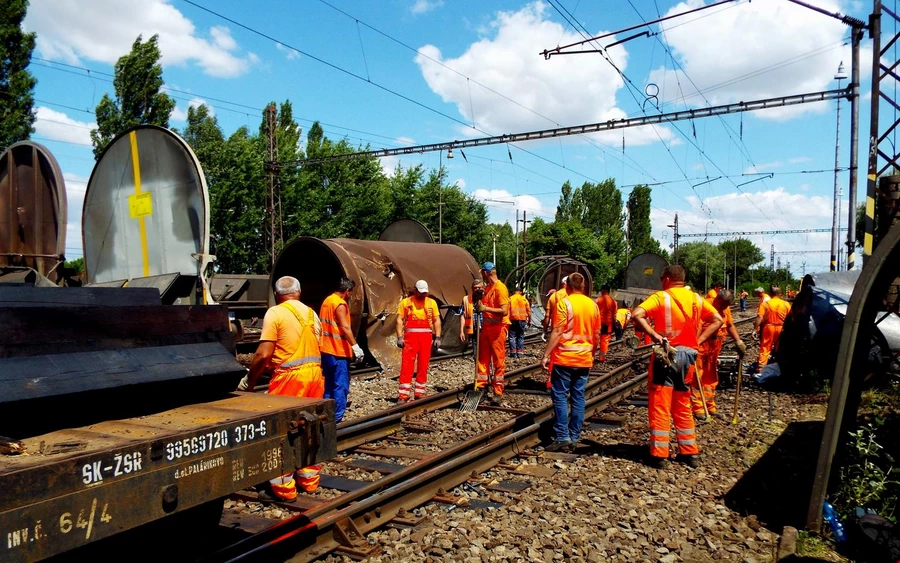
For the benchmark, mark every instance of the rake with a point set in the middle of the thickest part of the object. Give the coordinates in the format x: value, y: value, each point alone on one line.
x: 474, y: 396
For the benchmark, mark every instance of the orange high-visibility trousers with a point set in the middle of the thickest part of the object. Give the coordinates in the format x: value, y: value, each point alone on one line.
x: 707, y: 375
x: 605, y: 337
x: 665, y: 406
x: 492, y: 350
x: 415, y: 357
x: 767, y: 341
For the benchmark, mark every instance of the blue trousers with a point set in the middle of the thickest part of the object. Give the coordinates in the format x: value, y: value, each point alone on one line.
x: 565, y: 382
x: 516, y: 336
x: 337, y: 382
x: 743, y: 304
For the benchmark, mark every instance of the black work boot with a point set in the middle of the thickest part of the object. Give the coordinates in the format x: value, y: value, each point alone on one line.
x: 692, y: 461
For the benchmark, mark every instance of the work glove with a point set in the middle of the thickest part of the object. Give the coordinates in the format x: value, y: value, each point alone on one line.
x: 244, y: 384
x: 436, y: 343
x: 742, y: 348
x: 358, y: 354
x: 543, y: 337
x: 400, y: 342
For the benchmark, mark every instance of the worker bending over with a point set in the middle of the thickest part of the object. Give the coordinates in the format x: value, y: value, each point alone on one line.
x: 607, y: 306
x: 573, y: 342
x: 678, y: 314
x: 623, y: 315
x: 708, y: 356
x: 770, y: 319
x: 289, y: 348
x: 519, y: 317
x: 494, y: 308
x: 338, y: 346
x: 418, y: 332
x: 466, y: 328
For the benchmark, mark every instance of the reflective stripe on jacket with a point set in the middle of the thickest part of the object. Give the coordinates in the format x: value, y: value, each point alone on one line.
x: 418, y: 314
x: 519, y: 308
x: 307, y: 351
x: 333, y: 341
x: 579, y: 318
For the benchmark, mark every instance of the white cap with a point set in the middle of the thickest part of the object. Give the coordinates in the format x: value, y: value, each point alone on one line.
x: 422, y: 286
x: 565, y: 279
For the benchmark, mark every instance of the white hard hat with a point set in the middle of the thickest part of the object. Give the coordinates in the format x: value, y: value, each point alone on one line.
x: 422, y: 286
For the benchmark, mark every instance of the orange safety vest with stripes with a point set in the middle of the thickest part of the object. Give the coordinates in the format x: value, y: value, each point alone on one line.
x: 419, y: 314
x: 775, y: 310
x: 682, y: 329
x: 519, y: 308
x: 579, y: 318
x: 333, y: 341
x: 307, y: 351
x: 495, y: 296
x: 553, y: 303
x: 468, y: 313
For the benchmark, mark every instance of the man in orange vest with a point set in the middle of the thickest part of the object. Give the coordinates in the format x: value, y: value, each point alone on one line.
x: 553, y: 297
x: 623, y: 315
x: 708, y: 356
x: 711, y: 294
x: 494, y: 309
x: 418, y: 331
x: 570, y: 349
x: 607, y: 306
x: 677, y: 313
x: 289, y: 348
x: 338, y: 346
x: 468, y: 312
x: 519, y: 316
x: 770, y: 318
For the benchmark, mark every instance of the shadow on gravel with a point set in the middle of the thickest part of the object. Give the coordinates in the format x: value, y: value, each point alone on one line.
x: 776, y: 488
x: 633, y: 452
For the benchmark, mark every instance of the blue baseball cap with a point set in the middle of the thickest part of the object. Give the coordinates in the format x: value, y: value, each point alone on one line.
x: 488, y: 266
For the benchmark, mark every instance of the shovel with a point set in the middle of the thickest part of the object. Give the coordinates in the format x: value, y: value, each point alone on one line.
x: 474, y: 396
x: 737, y: 390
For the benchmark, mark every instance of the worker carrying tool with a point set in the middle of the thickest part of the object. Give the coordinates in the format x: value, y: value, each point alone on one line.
x: 289, y: 349
x: 623, y: 316
x: 770, y: 320
x: 573, y: 342
x: 494, y: 307
x: 708, y: 356
x: 714, y: 290
x: 607, y: 306
x: 418, y: 332
x: 338, y: 346
x: 466, y: 329
x: 678, y: 314
x: 519, y: 317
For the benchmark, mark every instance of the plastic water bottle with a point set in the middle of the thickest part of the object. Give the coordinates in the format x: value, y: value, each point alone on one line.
x: 831, y: 516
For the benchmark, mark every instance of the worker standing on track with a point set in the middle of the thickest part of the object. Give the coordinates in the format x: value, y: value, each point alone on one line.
x: 289, y: 347
x: 716, y: 288
x: 520, y: 317
x: 708, y: 356
x: 494, y: 309
x: 571, y: 348
x: 418, y: 332
x: 607, y: 306
x: 770, y: 319
x: 338, y: 346
x: 678, y: 313
x: 744, y: 296
x: 466, y: 328
x: 623, y: 315
x: 554, y: 295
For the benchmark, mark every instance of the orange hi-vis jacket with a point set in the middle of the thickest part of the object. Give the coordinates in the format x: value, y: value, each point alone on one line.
x: 519, y: 308
x: 607, y: 306
x: 711, y: 294
x: 727, y: 319
x: 579, y: 319
x: 623, y: 316
x: 762, y: 301
x: 552, y: 304
x: 468, y: 312
x: 333, y: 341
x: 774, y: 311
x: 419, y: 314
x: 668, y: 319
x: 495, y: 296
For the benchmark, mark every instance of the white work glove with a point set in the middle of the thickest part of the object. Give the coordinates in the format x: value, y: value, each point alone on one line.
x: 245, y: 382
x: 358, y: 354
x: 543, y: 336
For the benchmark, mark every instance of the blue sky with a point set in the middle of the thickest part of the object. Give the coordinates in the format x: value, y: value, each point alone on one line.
x: 473, y: 68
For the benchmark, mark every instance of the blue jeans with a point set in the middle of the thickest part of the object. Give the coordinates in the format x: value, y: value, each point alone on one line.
x: 337, y: 382
x: 516, y: 336
x: 566, y: 381
x: 743, y: 304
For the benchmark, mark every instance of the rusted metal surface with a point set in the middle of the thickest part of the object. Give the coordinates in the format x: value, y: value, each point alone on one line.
x: 558, y: 269
x: 384, y: 272
x: 644, y: 270
x: 407, y: 230
x: 77, y: 486
x: 32, y: 209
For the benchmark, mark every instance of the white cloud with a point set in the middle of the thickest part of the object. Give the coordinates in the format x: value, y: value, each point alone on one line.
x: 290, y: 54
x: 764, y: 166
x: 76, y: 186
x: 423, y: 6
x: 725, y: 53
x: 570, y: 90
x: 461, y: 182
x: 58, y: 126
x: 503, y: 205
x: 104, y: 30
x: 405, y: 141
x: 179, y: 114
x: 800, y: 160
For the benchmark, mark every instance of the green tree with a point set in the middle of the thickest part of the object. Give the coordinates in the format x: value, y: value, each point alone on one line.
x: 138, y: 80
x: 742, y: 251
x: 76, y: 265
x: 640, y: 239
x: 16, y: 83
x: 703, y: 263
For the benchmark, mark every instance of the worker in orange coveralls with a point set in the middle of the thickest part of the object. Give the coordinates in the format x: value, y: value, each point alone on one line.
x: 770, y: 319
x: 607, y: 306
x: 623, y: 315
x: 520, y: 317
x: 553, y: 298
x: 466, y: 329
x: 494, y: 309
x: 418, y: 332
x: 289, y: 348
x: 708, y: 356
x: 678, y: 313
x: 716, y: 288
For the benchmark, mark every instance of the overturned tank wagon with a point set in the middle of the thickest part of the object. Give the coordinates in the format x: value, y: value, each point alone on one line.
x: 384, y: 272
x: 641, y: 278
